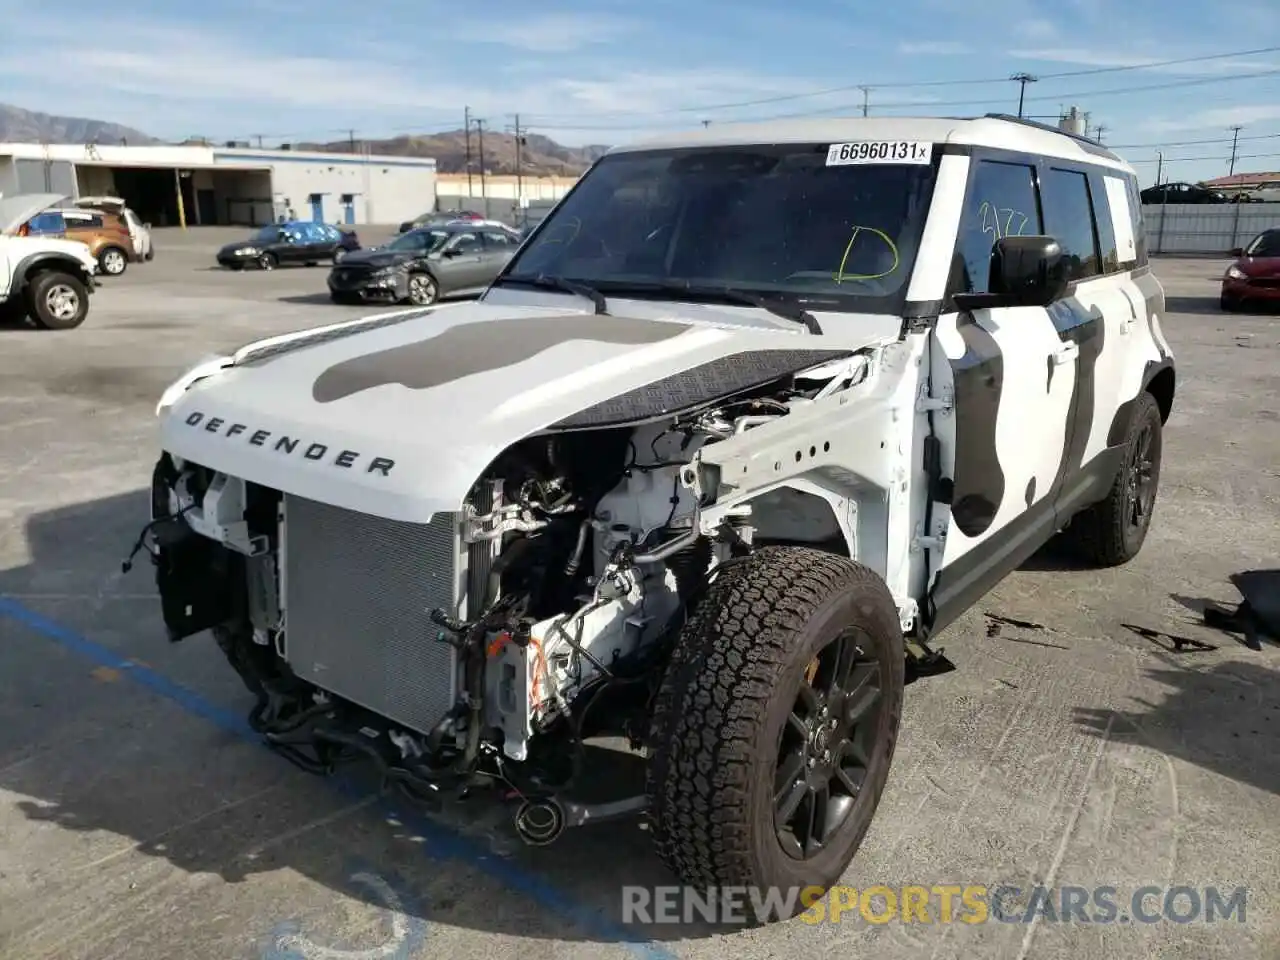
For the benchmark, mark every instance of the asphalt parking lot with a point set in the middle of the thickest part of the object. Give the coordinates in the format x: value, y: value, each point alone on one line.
x: 139, y: 818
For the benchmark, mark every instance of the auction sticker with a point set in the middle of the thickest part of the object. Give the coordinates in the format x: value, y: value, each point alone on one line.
x: 879, y: 151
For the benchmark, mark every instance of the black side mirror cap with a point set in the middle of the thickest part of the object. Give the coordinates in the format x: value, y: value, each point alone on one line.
x: 1237, y: 251
x: 1025, y: 272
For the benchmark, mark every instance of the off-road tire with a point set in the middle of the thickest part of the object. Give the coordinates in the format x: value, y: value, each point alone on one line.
x: 727, y: 693
x: 116, y: 256
x: 1103, y: 535
x: 38, y: 308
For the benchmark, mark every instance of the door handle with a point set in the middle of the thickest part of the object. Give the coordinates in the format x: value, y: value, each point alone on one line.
x: 1066, y: 353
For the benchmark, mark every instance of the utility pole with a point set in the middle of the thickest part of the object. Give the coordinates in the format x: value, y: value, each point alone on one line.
x: 1159, y: 165
x: 706, y: 123
x: 866, y: 100
x: 466, y: 127
x: 519, y: 135
x: 259, y: 138
x: 1235, y: 139
x: 1097, y: 135
x: 1022, y: 79
x: 351, y: 140
x: 480, y: 134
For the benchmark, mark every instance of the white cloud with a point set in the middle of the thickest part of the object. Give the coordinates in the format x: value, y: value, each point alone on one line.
x: 1035, y: 28
x: 543, y: 33
x: 1218, y: 119
x: 938, y: 48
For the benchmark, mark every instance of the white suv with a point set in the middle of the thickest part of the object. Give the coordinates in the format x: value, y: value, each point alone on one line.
x: 752, y: 415
x: 43, y: 278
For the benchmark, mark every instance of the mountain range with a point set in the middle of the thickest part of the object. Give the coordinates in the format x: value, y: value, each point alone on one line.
x: 539, y: 155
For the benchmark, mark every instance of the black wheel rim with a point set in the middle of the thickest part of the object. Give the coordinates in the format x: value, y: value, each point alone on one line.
x: 825, y: 748
x: 1142, y: 478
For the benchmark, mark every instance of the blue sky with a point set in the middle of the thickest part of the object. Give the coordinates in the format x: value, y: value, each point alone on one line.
x: 608, y: 71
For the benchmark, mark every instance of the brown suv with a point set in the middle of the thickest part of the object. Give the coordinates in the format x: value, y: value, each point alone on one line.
x: 105, y: 234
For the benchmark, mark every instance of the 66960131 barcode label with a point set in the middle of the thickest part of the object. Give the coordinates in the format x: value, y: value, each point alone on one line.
x: 879, y: 151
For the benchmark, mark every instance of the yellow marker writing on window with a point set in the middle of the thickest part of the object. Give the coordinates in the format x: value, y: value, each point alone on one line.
x: 841, y: 276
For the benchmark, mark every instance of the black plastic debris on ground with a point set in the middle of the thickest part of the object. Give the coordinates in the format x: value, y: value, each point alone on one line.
x: 1258, y: 613
x: 1168, y: 641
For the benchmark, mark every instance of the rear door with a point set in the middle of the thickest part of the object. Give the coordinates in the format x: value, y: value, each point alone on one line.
x: 499, y: 247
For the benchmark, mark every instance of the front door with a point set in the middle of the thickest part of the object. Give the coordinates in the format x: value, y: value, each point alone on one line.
x: 463, y: 266
x: 1011, y: 379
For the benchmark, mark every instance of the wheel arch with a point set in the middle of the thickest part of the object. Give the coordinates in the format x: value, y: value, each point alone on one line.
x: 35, y: 263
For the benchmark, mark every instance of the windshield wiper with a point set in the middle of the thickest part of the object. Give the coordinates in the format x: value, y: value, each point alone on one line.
x: 778, y: 306
x: 545, y: 282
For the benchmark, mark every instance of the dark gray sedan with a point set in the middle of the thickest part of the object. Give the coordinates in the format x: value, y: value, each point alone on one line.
x: 423, y: 265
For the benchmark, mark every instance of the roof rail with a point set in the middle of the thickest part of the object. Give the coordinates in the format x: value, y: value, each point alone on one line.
x: 1049, y: 128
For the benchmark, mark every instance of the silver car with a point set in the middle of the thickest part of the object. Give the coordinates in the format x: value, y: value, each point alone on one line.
x: 425, y: 264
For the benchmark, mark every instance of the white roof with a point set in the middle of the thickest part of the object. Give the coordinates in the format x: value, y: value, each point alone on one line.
x: 981, y: 132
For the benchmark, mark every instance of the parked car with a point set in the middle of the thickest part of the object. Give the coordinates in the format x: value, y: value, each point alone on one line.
x: 1182, y: 193
x: 139, y: 231
x: 1254, y: 277
x: 105, y: 234
x: 423, y: 265
x: 437, y: 217
x: 44, y: 277
x: 293, y: 241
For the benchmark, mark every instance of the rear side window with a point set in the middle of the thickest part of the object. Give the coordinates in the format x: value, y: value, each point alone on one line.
x: 1068, y: 218
x: 1001, y: 203
x: 1139, y: 224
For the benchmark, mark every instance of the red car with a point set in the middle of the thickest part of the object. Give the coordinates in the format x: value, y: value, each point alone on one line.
x: 1254, y: 277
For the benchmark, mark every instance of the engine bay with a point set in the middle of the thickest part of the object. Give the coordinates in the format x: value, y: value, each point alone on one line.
x: 574, y: 563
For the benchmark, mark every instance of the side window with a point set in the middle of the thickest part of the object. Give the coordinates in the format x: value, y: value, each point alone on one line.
x: 1111, y: 214
x: 1068, y: 218
x: 1139, y: 222
x: 496, y: 240
x: 47, y: 222
x: 466, y: 243
x: 1001, y: 203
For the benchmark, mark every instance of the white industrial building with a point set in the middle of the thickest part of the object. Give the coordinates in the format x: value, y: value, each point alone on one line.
x: 194, y: 185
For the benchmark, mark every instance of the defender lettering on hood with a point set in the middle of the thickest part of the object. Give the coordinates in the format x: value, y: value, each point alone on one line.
x: 286, y: 444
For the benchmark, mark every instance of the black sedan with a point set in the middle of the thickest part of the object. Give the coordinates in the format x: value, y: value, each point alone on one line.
x: 297, y: 241
x: 423, y: 265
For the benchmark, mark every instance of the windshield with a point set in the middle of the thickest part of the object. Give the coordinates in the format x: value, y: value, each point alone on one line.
x: 1266, y: 245
x: 419, y: 240
x: 774, y: 220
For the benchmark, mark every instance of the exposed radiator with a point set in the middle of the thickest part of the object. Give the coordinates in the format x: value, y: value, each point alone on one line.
x: 358, y: 591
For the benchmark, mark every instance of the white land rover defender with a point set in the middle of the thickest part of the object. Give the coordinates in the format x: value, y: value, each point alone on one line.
x: 43, y: 278
x: 750, y: 417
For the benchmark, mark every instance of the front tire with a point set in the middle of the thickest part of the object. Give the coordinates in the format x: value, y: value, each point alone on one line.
x: 113, y: 261
x: 57, y: 301
x: 776, y: 723
x: 1228, y: 304
x: 1112, y: 532
x: 423, y: 290
x: 268, y: 261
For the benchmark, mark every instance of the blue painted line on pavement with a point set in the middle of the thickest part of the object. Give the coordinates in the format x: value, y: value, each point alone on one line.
x: 440, y: 839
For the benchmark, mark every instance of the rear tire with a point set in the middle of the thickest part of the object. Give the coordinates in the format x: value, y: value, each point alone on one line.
x: 739, y: 730
x: 113, y: 261
x: 57, y: 300
x: 268, y: 261
x: 1112, y: 532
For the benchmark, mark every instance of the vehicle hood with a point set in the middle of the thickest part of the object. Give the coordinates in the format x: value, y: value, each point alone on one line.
x: 72, y: 248
x: 17, y: 209
x: 397, y: 415
x: 1259, y: 267
x: 375, y: 258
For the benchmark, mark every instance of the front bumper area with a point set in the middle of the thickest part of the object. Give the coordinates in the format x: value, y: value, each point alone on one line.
x: 1251, y: 290
x: 346, y: 283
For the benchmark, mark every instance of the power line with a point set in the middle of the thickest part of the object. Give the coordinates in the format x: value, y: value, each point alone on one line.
x: 1218, y: 157
x: 920, y: 84
x: 1193, y: 143
x: 931, y: 105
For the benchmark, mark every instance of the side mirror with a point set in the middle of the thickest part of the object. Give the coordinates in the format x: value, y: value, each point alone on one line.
x: 1237, y: 251
x: 1029, y: 271
x: 1025, y: 272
